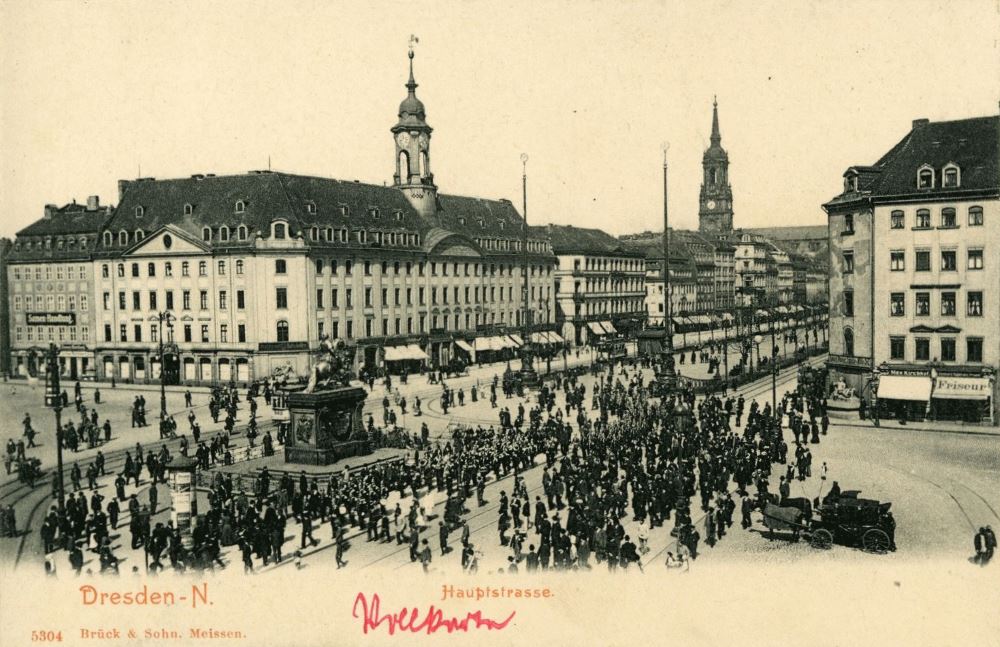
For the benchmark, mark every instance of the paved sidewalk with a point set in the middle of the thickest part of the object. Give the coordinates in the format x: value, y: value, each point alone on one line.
x: 943, y: 426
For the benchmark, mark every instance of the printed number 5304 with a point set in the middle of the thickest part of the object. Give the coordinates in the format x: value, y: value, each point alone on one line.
x: 46, y: 636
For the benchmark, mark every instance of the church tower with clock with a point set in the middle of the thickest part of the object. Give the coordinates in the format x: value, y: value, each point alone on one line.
x: 412, y: 137
x: 715, y: 203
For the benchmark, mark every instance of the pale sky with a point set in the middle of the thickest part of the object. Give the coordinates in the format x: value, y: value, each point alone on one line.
x: 589, y: 90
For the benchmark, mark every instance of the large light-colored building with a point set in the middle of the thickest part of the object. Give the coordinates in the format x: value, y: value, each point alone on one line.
x: 914, y: 281
x: 599, y: 284
x: 255, y: 269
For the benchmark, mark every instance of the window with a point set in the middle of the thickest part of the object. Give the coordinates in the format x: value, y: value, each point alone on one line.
x: 368, y: 268
x: 333, y: 298
x: 224, y: 333
x: 975, y: 304
x: 848, y: 262
x: 222, y: 268
x: 240, y: 300
x: 975, y: 260
x: 241, y: 333
x: 349, y: 298
x: 135, y: 270
x: 948, y: 219
x: 240, y: 206
x: 310, y: 207
x: 105, y: 272
x: 206, y: 234
x: 137, y: 330
x: 279, y: 266
x: 204, y: 333
x: 319, y: 298
x: 948, y: 304
x: 188, y: 209
x: 122, y: 332
x: 897, y: 348
x: 239, y: 266
x: 107, y: 332
x: 923, y: 348
x: 923, y: 219
x: 139, y: 211
x: 224, y: 233
x: 923, y: 261
x: 170, y: 299
x: 168, y: 269
x: 368, y: 297
x: 279, y: 231
x: 923, y: 304
x: 107, y: 301
x: 241, y: 232
x: 948, y: 262
x: 187, y: 333
x: 223, y: 301
x: 974, y: 349
x: 281, y: 298
x: 975, y: 216
x: 848, y: 342
x: 897, y: 220
x: 849, y: 223
x: 282, y: 330
x: 319, y: 266
x: 897, y: 261
x: 951, y: 176
x: 108, y: 239
x: 186, y: 300
x: 948, y: 349
x: 152, y: 300
x: 897, y: 304
x: 848, y: 303
x: 203, y: 300
x: 185, y: 268
x: 925, y: 178
x: 202, y: 268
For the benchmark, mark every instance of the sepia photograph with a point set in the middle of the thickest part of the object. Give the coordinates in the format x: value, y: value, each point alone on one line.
x: 499, y: 323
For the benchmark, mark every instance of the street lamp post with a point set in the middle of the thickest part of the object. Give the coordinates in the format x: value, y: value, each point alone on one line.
x: 528, y: 375
x: 161, y: 317
x: 667, y: 377
x: 53, y: 399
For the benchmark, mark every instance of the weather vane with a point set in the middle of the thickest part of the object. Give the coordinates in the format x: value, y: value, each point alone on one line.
x: 413, y: 41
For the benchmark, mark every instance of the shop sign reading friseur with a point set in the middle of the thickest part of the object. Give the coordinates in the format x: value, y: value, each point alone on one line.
x: 51, y: 319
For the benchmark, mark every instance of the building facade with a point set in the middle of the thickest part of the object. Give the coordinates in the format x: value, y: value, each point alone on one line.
x: 599, y: 284
x: 232, y: 278
x: 915, y: 320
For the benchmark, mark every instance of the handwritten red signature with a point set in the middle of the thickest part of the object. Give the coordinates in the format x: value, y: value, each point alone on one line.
x: 410, y: 620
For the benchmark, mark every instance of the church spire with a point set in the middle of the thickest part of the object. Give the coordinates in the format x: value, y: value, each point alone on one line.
x: 716, y: 137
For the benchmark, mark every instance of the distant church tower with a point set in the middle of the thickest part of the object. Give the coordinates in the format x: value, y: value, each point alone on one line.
x: 715, y: 203
x: 412, y: 137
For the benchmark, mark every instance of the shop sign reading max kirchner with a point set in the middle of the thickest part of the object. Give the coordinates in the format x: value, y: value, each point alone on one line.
x: 51, y: 319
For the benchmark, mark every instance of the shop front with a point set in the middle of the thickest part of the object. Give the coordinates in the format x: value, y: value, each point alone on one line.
x: 903, y: 397
x: 964, y: 398
x: 945, y: 393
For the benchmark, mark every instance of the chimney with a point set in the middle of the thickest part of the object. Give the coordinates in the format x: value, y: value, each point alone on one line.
x: 50, y: 209
x: 918, y: 123
x: 122, y: 185
x: 93, y: 203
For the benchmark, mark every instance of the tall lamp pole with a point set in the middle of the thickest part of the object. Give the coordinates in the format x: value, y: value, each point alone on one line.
x: 53, y: 399
x: 528, y: 375
x: 667, y: 377
x: 169, y: 318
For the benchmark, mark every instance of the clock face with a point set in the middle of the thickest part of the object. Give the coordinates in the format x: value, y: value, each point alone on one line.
x: 710, y: 204
x: 403, y: 139
x: 423, y: 140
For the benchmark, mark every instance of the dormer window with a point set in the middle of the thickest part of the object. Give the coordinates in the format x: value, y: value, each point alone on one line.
x: 501, y: 225
x: 139, y: 212
x: 109, y: 239
x: 314, y: 233
x: 399, y: 215
x: 188, y: 209
x: 461, y: 220
x: 279, y: 231
x: 240, y: 206
x: 925, y: 177
x: 345, y: 210
x: 952, y: 176
x: 224, y: 233
x: 375, y: 212
x: 241, y: 232
x: 311, y: 208
x: 83, y: 243
x: 206, y: 234
x: 139, y: 235
x: 123, y: 237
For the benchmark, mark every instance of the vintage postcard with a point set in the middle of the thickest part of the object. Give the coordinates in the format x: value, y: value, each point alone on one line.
x: 499, y: 323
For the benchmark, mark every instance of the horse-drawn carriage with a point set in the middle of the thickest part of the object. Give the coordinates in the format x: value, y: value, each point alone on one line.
x: 844, y: 519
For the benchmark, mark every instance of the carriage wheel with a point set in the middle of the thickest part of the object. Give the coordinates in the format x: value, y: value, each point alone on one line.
x: 821, y: 539
x: 875, y: 541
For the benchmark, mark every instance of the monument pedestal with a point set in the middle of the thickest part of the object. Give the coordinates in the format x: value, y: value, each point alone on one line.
x: 326, y: 426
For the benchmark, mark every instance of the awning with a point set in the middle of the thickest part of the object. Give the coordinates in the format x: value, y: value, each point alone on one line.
x: 962, y: 388
x: 517, y: 339
x: 393, y: 353
x: 482, y: 344
x: 464, y: 345
x: 595, y: 327
x: 556, y: 338
x: 904, y: 387
x: 609, y: 327
x: 539, y: 338
x: 727, y: 316
x: 415, y: 352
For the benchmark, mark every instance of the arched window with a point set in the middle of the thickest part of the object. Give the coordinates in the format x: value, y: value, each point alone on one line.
x: 424, y: 170
x: 139, y: 235
x: 123, y: 237
x: 188, y: 209
x: 240, y: 206
x: 83, y: 242
x: 952, y: 176
x: 139, y: 212
x: 239, y: 266
x: 376, y: 213
x: 403, y: 168
x: 279, y: 231
x: 206, y: 234
x: 314, y: 233
x: 282, y: 330
x: 975, y: 216
x: 241, y: 232
x: 311, y: 207
x: 328, y: 234
x: 925, y: 177
x: 224, y: 233
x: 848, y: 342
x: 108, y: 239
